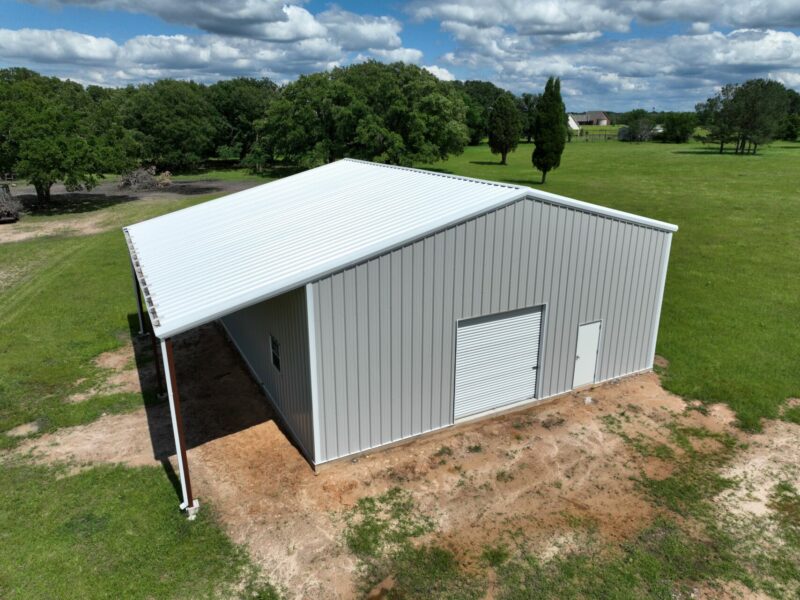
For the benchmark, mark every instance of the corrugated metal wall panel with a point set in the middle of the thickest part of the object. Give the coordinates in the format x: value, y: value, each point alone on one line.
x: 286, y: 318
x: 582, y: 267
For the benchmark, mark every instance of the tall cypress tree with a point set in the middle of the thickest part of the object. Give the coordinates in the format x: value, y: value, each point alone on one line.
x: 505, y: 128
x: 550, y: 129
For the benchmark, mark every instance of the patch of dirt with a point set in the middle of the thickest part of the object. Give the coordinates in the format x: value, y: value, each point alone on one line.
x: 84, y: 213
x: 660, y: 361
x: 24, y: 430
x: 552, y: 472
x: 771, y: 456
x: 86, y: 224
x: 123, y: 375
x: 728, y: 590
x: 122, y: 438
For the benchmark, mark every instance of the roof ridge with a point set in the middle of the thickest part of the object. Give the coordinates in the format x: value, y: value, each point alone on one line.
x: 510, y: 186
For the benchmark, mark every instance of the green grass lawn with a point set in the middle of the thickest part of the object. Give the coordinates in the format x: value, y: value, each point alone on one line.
x: 609, y: 129
x: 730, y: 318
x: 111, y: 532
x: 108, y: 532
x: 65, y: 300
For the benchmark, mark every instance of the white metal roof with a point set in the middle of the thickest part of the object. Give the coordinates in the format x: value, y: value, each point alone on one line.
x: 203, y: 262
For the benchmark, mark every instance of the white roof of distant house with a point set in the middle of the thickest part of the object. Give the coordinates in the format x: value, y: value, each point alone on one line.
x: 203, y: 262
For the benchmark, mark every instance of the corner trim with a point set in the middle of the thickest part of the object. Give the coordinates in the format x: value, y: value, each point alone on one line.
x: 312, y: 371
x: 662, y: 286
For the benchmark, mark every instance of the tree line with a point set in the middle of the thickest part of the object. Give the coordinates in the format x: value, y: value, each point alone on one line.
x: 60, y: 131
x: 750, y: 114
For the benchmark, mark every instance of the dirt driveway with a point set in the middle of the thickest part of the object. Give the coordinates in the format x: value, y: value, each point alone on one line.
x: 537, y: 472
x: 79, y: 212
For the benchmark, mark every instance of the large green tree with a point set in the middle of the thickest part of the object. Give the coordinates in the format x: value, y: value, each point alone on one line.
x: 174, y: 121
x: 397, y: 113
x: 639, y: 125
x: 527, y: 106
x: 760, y: 107
x: 748, y: 115
x: 52, y: 130
x: 550, y: 129
x: 504, y: 127
x: 313, y: 121
x: 678, y: 127
x: 240, y: 102
x: 479, y: 97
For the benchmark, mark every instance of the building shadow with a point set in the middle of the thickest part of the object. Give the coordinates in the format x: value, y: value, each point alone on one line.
x: 189, y: 188
x: 72, y: 203
x: 218, y: 395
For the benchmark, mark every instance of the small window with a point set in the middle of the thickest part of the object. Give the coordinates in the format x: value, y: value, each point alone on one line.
x: 275, y: 347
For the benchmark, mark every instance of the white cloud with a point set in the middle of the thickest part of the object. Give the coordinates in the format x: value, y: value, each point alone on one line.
x: 273, y: 38
x: 553, y: 18
x: 56, y: 46
x: 241, y: 17
x: 676, y: 71
x: 733, y: 13
x: 515, y: 43
x: 148, y: 57
x: 408, y: 55
x: 440, y: 72
x: 356, y: 32
x: 788, y: 78
x: 558, y: 21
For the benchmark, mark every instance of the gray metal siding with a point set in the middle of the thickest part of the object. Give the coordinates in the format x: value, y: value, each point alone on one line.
x: 286, y: 318
x: 386, y: 327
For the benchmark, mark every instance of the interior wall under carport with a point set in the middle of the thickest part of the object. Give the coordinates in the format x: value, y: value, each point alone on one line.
x: 285, y: 318
x: 384, y: 330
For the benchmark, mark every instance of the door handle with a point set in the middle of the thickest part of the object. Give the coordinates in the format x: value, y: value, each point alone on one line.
x: 577, y: 357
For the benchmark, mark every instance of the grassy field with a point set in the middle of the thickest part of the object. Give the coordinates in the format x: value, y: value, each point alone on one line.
x: 596, y: 129
x: 729, y: 322
x: 729, y: 330
x: 107, y: 532
x: 111, y: 532
x: 66, y: 300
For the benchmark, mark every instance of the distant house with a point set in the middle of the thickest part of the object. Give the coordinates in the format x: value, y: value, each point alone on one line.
x: 593, y: 117
x: 572, y: 124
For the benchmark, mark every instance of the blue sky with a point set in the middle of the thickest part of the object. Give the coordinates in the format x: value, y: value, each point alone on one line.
x: 610, y: 54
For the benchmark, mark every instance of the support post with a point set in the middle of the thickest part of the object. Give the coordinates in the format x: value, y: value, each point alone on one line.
x: 189, y: 504
x: 138, y: 291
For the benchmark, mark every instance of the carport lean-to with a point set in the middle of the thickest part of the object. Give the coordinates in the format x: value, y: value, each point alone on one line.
x: 375, y: 303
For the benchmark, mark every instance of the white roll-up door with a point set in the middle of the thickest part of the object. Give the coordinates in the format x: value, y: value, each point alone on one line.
x: 497, y: 360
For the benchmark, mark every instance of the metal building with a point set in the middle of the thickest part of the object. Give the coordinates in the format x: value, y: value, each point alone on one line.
x: 375, y: 303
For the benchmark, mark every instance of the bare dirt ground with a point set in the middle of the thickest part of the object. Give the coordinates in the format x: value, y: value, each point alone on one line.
x: 551, y: 472
x: 78, y: 211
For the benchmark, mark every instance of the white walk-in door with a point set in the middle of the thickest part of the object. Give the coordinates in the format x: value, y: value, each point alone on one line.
x: 497, y: 359
x: 586, y: 354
